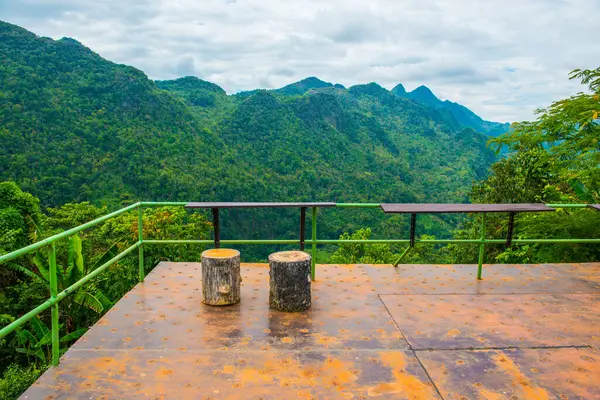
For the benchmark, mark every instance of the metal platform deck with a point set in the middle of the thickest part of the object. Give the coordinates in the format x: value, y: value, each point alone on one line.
x: 412, y: 332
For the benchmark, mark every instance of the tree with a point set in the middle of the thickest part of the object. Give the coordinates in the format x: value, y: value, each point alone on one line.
x: 566, y: 136
x: 554, y: 159
x: 19, y: 215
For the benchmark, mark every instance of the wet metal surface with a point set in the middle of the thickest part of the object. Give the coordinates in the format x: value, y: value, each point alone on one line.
x: 497, y: 279
x: 526, y: 320
x: 540, y: 374
x: 412, y: 332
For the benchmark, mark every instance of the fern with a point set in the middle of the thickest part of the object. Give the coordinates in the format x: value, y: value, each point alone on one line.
x: 23, y: 270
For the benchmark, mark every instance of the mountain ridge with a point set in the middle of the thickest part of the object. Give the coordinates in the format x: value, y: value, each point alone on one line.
x: 422, y: 94
x: 77, y: 127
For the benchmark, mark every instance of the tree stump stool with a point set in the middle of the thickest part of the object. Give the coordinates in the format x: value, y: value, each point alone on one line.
x: 289, y: 280
x: 221, y: 277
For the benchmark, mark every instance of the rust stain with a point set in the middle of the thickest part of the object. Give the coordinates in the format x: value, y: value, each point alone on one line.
x: 488, y: 395
x: 404, y: 383
x: 523, y: 385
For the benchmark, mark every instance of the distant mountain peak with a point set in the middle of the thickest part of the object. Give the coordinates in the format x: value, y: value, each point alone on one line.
x: 313, y: 81
x: 303, y: 86
x: 371, y: 89
x: 399, y: 90
x: 189, y: 82
x: 423, y: 94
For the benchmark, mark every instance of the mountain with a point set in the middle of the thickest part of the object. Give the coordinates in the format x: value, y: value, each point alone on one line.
x: 422, y: 94
x: 462, y: 114
x: 76, y: 127
x: 399, y: 90
x: 303, y: 86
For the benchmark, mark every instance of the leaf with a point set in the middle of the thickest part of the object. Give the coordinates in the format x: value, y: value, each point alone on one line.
x: 25, y: 336
x: 25, y: 351
x: 88, y: 300
x: 75, y: 259
x: 41, y: 355
x: 24, y: 270
x: 6, y: 319
x: 104, y: 300
x: 45, y: 340
x: 40, y: 263
x: 36, y: 231
x: 595, y: 115
x: 110, y: 253
x: 73, y: 335
x: 39, y: 328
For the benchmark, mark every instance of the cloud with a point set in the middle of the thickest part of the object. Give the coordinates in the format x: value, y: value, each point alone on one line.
x: 501, y: 58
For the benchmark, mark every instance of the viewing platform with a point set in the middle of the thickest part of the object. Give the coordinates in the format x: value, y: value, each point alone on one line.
x: 373, y: 331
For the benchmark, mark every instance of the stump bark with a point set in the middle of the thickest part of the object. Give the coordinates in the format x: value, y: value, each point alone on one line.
x: 221, y: 277
x: 289, y: 280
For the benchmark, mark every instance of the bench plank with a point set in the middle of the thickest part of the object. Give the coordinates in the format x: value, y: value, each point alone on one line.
x: 257, y: 205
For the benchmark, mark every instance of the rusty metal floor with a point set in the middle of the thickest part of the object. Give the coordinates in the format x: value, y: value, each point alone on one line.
x: 412, y: 332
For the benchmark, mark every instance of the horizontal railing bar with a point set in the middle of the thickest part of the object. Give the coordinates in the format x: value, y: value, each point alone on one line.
x: 567, y: 205
x: 340, y: 205
x: 42, y: 243
x: 373, y: 241
x: 23, y: 319
x: 358, y: 205
x: 45, y: 305
x: 233, y: 241
x: 553, y: 241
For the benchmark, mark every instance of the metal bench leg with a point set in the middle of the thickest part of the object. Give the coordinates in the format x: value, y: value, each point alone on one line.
x: 481, y: 248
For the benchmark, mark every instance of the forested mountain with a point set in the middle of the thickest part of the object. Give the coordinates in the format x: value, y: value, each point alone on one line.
x: 81, y: 130
x: 462, y: 114
x: 76, y: 127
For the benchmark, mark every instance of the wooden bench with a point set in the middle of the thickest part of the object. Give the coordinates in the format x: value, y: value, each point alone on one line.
x: 218, y: 205
x: 433, y: 208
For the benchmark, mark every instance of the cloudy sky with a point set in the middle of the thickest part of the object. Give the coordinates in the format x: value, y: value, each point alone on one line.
x: 501, y: 58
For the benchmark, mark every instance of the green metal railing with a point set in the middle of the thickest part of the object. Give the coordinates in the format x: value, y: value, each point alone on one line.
x: 56, y: 297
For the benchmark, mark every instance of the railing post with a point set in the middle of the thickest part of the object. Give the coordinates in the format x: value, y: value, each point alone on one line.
x: 481, y: 247
x: 54, y: 308
x: 314, y: 243
x: 141, y: 240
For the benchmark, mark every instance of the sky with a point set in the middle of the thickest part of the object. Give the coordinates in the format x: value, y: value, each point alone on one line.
x: 501, y: 58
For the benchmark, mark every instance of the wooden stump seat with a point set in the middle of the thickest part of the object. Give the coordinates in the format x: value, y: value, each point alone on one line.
x: 221, y: 277
x: 289, y: 281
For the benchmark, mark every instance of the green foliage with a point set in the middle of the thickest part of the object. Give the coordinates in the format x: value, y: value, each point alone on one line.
x: 77, y: 256
x: 101, y: 134
x: 16, y: 379
x: 361, y: 253
x: 104, y: 133
x: 567, y: 135
x: 19, y: 213
x: 34, y: 342
x: 554, y: 159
